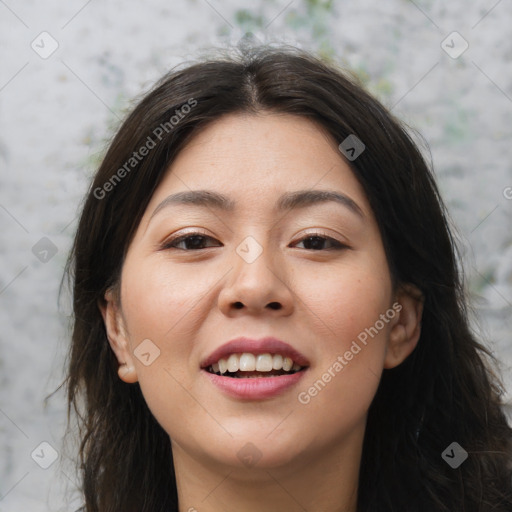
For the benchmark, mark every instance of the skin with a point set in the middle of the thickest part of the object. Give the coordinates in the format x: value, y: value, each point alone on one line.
x: 185, y: 301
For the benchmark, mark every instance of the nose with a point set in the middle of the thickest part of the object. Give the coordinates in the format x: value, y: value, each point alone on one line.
x: 257, y: 287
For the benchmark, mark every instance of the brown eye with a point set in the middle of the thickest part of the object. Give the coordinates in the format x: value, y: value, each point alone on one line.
x: 316, y: 242
x: 191, y: 241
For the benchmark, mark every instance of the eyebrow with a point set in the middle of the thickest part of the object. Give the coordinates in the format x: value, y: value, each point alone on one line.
x: 288, y: 201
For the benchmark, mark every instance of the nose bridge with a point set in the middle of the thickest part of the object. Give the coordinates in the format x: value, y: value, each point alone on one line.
x: 254, y: 260
x: 255, y: 282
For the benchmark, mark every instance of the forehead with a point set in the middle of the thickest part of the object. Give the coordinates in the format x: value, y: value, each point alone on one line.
x: 260, y: 156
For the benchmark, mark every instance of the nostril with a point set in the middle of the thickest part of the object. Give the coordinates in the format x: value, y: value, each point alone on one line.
x: 271, y: 305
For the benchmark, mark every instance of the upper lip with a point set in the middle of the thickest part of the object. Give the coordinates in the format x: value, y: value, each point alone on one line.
x: 268, y: 345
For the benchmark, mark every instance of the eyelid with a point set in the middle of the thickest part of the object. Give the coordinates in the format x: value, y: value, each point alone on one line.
x: 183, y: 234
x: 322, y: 234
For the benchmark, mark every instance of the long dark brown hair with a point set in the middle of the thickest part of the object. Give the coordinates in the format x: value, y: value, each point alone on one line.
x: 446, y: 391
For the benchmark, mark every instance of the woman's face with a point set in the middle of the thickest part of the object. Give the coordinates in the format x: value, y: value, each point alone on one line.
x: 311, y: 273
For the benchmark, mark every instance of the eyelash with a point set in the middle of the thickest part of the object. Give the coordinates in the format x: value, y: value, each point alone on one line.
x: 170, y: 244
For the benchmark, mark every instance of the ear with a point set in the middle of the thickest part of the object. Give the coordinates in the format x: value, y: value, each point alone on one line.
x: 406, y: 329
x: 117, y: 336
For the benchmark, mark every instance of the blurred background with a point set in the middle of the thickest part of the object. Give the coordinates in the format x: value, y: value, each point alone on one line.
x: 69, y: 71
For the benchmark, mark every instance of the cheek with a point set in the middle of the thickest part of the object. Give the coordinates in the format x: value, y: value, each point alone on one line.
x: 352, y: 347
x: 157, y: 301
x: 160, y: 306
x: 348, y: 298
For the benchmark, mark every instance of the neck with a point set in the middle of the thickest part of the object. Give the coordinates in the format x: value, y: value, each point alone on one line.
x: 327, y: 482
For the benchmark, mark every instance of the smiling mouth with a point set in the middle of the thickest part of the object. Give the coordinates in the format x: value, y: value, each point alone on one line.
x: 251, y: 366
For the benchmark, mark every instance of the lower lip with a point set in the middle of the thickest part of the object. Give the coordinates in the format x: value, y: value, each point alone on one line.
x: 257, y: 388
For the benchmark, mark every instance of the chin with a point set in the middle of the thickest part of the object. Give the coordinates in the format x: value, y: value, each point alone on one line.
x: 258, y: 453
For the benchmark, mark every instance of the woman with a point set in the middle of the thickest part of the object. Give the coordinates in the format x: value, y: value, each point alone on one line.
x: 268, y: 313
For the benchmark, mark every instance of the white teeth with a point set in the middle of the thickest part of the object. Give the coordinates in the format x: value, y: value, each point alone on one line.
x: 277, y: 362
x: 248, y: 362
x: 223, y: 366
x: 287, y: 364
x: 233, y: 363
x: 264, y: 363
